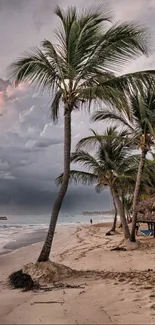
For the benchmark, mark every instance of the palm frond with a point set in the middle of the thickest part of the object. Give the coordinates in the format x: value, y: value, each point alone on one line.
x: 103, y: 93
x: 85, y: 159
x: 79, y: 176
x: 119, y: 45
x: 100, y: 187
x: 103, y: 115
x: 34, y: 66
x: 55, y: 106
x: 122, y: 43
x: 96, y: 140
x: 89, y: 141
x: 115, y: 91
x: 80, y: 31
x: 52, y: 53
x: 67, y: 19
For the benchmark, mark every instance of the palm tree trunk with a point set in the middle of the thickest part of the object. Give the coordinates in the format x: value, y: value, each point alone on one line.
x: 115, y: 216
x: 136, y: 194
x: 120, y: 209
x: 44, y: 255
x: 123, y: 204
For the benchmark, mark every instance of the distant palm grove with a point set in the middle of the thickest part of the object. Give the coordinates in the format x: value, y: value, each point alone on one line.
x: 83, y: 69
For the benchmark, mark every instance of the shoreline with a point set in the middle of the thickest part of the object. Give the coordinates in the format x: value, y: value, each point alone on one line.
x: 38, y: 235
x: 26, y: 240
x: 30, y: 239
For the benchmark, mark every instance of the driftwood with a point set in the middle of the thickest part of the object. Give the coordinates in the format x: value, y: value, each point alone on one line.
x: 47, y: 302
x: 60, y: 285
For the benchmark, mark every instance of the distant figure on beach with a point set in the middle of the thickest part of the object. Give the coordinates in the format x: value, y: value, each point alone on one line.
x: 91, y: 221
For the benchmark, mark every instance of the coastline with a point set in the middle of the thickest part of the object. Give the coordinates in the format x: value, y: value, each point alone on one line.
x: 29, y: 239
x: 14, y: 235
x: 102, y: 301
x: 24, y: 241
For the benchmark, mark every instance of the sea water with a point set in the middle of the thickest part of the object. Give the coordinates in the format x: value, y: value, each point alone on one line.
x: 18, y: 225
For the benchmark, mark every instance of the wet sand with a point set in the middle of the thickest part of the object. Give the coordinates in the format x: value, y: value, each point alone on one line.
x: 27, y: 240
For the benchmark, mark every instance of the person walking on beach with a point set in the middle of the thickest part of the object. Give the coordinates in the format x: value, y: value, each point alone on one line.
x: 91, y: 221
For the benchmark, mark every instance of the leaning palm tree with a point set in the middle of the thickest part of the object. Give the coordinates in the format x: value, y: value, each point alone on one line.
x: 108, y: 166
x: 142, y: 127
x: 127, y: 185
x: 81, y: 67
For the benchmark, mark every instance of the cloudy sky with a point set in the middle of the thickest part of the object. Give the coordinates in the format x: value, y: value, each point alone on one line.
x: 30, y: 145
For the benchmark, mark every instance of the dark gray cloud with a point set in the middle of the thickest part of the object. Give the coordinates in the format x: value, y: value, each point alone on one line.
x: 27, y: 197
x: 31, y: 147
x: 32, y: 151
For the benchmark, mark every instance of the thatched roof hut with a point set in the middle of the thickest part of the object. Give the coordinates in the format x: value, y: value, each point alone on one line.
x: 147, y: 206
x: 146, y: 211
x: 146, y: 218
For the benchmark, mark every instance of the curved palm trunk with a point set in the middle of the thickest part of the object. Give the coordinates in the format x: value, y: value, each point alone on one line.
x: 44, y: 255
x: 120, y: 209
x: 121, y: 226
x: 136, y: 194
x: 115, y: 217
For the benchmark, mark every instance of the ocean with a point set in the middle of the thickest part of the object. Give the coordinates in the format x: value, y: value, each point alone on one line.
x: 18, y: 227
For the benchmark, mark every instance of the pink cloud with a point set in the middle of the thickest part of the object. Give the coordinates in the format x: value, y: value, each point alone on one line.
x: 11, y: 91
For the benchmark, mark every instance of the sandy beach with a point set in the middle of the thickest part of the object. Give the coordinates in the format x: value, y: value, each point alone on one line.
x: 120, y: 289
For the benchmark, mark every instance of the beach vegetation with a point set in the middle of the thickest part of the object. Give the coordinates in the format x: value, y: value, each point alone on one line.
x: 141, y: 125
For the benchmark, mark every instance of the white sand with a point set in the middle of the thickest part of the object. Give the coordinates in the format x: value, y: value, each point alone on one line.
x: 102, y: 301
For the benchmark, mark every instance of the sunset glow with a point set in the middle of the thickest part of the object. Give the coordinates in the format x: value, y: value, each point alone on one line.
x: 11, y: 91
x: 2, y: 98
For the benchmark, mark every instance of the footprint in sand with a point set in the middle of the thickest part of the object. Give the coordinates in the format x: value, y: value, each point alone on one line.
x: 151, y: 306
x: 136, y: 299
x: 122, y: 299
x: 152, y: 296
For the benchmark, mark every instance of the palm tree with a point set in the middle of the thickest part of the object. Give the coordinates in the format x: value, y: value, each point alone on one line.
x: 81, y: 67
x: 108, y: 166
x: 141, y: 124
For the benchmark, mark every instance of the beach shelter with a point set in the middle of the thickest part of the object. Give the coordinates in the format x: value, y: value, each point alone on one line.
x: 146, y: 213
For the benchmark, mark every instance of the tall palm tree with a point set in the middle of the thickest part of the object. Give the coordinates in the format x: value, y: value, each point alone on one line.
x: 108, y: 166
x: 81, y: 67
x: 141, y: 124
